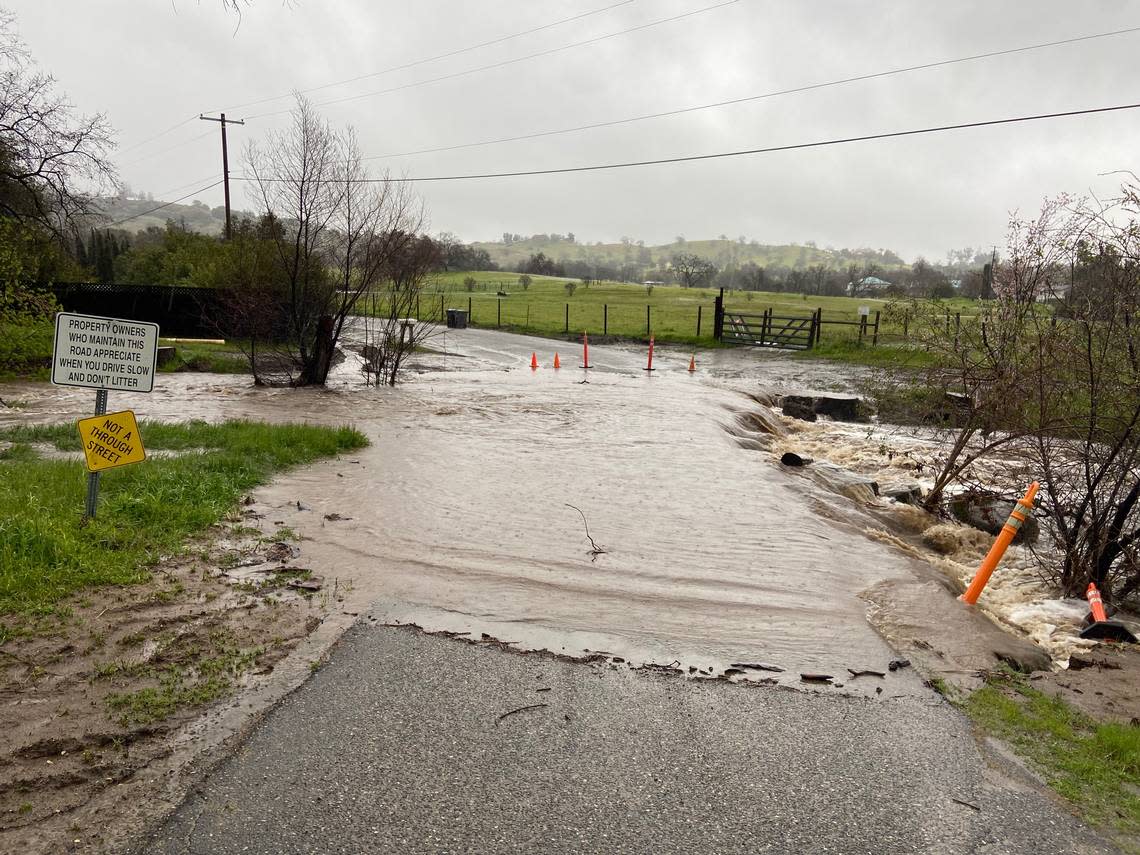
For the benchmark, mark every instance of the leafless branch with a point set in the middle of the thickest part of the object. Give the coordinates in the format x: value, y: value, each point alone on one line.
x: 595, y: 550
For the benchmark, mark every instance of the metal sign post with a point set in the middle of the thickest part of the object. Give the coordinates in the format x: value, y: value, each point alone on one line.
x: 94, y: 352
x: 93, y: 477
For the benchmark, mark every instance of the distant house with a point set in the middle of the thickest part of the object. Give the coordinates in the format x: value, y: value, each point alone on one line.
x: 868, y: 285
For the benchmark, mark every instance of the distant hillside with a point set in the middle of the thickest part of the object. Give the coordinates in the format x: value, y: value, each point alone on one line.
x: 197, y: 216
x: 514, y: 251
x: 511, y: 255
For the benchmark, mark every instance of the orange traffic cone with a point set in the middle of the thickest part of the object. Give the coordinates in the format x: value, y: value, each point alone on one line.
x: 1099, y: 626
x: 1022, y: 511
x: 692, y: 363
x: 534, y: 361
x: 557, y: 362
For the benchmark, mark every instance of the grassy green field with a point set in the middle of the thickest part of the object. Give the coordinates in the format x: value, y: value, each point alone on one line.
x: 48, y: 551
x: 619, y: 309
x: 205, y: 356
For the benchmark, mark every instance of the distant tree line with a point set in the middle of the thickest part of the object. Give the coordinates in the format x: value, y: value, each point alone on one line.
x: 691, y: 270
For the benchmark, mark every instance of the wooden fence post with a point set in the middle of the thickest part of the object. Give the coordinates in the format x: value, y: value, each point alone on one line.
x: 605, y: 319
x: 698, y: 320
x: 875, y: 335
x: 818, y: 314
x: 648, y: 328
x: 499, y: 313
x: 718, y: 316
x: 567, y: 329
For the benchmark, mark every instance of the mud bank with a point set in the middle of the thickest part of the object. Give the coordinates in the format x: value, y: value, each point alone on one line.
x: 104, y: 706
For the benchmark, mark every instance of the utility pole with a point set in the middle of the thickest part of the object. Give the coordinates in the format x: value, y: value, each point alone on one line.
x: 225, y: 161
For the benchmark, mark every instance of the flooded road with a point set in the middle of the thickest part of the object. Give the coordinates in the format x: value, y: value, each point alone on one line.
x: 458, y: 517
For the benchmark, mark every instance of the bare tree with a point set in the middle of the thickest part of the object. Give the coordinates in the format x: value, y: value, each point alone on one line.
x: 695, y: 272
x: 1048, y: 377
x: 340, y: 231
x: 52, y: 161
x: 392, y: 331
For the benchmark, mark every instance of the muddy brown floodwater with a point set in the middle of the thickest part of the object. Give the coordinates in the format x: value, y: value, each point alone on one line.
x: 458, y: 514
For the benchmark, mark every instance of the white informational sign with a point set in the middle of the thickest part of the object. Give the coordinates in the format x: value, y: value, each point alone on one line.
x: 864, y: 310
x: 104, y: 353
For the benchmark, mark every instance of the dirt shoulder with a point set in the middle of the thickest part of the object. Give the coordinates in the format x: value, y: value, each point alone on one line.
x: 106, y: 707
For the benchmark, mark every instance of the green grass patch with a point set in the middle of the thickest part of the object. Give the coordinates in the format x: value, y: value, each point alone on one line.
x: 1094, y: 765
x: 47, y: 551
x: 205, y: 356
x: 880, y: 356
x: 178, y: 687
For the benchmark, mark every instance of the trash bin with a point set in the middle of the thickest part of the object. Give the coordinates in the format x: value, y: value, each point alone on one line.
x: 457, y: 319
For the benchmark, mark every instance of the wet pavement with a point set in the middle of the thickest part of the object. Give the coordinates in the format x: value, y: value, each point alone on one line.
x: 400, y: 744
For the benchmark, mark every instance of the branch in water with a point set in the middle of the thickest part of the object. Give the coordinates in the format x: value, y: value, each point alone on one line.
x: 595, y: 550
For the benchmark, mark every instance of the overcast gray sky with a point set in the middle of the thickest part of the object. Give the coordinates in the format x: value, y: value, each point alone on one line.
x: 150, y: 64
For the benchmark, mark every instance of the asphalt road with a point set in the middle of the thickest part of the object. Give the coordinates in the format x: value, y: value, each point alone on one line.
x: 397, y: 745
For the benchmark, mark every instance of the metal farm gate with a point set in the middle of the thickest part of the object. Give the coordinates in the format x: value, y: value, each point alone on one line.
x: 786, y: 332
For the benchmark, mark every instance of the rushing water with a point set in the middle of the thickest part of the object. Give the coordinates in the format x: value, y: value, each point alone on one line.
x: 460, y: 512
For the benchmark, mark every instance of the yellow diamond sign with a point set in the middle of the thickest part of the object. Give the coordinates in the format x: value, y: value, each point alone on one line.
x: 111, y: 440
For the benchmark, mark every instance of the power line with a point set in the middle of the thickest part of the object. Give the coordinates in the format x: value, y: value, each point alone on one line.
x: 163, y: 205
x: 193, y: 183
x: 740, y: 153
x: 798, y: 89
x: 133, y: 146
x: 507, y: 62
x: 439, y: 56
x: 166, y: 150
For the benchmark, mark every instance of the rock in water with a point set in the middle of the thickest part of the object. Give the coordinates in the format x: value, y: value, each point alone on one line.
x: 989, y: 512
x: 840, y: 408
x: 908, y: 494
x: 798, y: 407
x: 842, y: 481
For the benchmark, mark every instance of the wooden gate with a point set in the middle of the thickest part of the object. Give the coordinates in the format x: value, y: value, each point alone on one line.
x: 786, y: 332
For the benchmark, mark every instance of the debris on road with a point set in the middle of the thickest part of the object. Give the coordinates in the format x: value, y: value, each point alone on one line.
x: 519, y: 710
x: 816, y: 678
x: 758, y: 666
x: 865, y: 673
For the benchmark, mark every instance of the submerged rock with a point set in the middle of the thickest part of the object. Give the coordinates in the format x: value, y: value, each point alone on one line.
x: 798, y: 407
x: 988, y: 512
x: 840, y: 408
x: 790, y: 458
x: 843, y: 481
x: 908, y: 494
